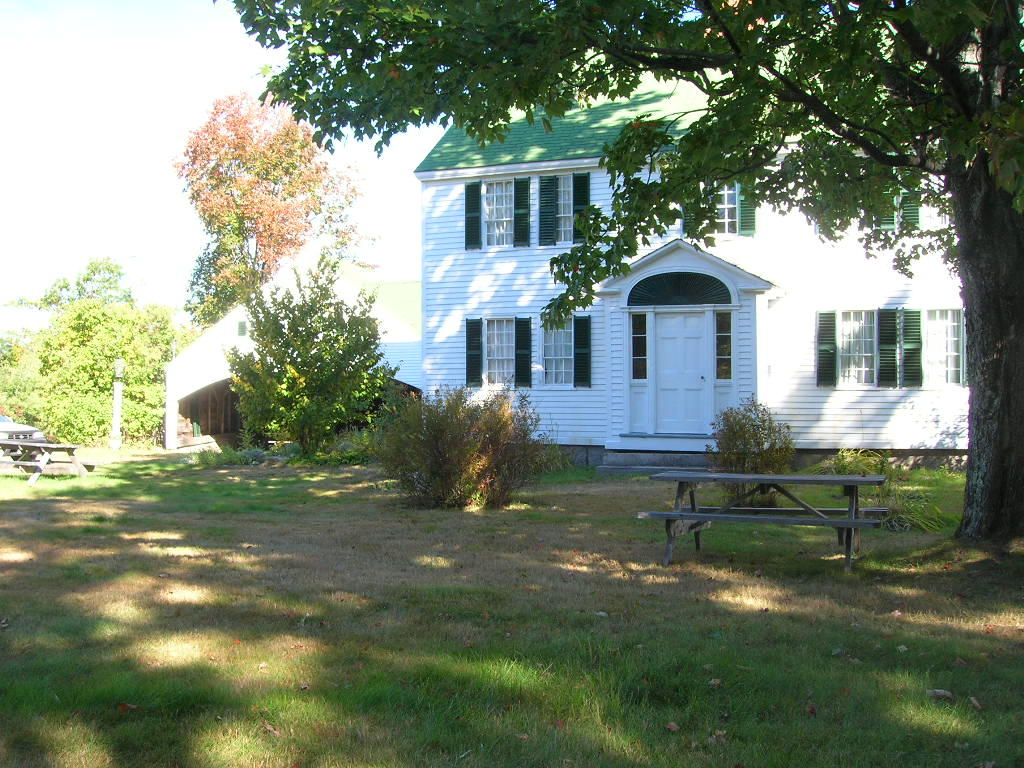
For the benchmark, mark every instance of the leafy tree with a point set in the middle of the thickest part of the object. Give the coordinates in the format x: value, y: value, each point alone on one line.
x: 317, y: 362
x: 832, y: 108
x: 102, y: 280
x: 262, y: 188
x: 21, y: 395
x: 77, y: 354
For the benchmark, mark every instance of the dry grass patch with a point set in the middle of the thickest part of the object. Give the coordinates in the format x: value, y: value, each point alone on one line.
x: 155, y: 615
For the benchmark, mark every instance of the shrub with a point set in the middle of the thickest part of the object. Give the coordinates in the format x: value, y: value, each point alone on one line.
x: 447, y: 449
x: 908, y: 507
x: 750, y: 439
x: 510, y: 452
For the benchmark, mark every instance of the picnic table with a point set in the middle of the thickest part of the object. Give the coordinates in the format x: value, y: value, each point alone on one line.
x: 687, y: 516
x: 34, y: 458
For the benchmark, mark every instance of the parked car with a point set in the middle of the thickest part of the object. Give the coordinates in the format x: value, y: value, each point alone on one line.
x: 9, y: 430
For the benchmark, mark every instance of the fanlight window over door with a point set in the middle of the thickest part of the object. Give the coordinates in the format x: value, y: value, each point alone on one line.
x: 679, y: 288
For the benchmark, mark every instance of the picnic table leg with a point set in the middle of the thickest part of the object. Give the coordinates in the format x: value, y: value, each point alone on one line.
x: 670, y: 533
x: 851, y: 534
x: 696, y: 527
x: 80, y: 469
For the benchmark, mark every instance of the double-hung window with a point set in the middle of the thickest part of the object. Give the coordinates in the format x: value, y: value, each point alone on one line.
x: 498, y: 209
x: 857, y: 347
x: 497, y: 213
x: 727, y: 210
x: 562, y: 199
x: 945, y: 346
x: 564, y: 211
x: 500, y: 351
x: 558, y: 356
x: 734, y: 214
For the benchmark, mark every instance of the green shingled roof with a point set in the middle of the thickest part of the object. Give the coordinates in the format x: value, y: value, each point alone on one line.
x: 580, y: 134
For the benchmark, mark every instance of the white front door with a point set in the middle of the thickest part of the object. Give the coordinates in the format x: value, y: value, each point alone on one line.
x: 682, y: 375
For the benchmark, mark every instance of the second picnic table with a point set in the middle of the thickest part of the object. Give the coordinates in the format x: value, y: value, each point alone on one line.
x: 688, y: 516
x: 35, y: 457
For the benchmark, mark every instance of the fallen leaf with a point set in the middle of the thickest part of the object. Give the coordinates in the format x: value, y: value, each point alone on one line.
x: 975, y: 703
x: 272, y: 729
x: 718, y: 737
x: 896, y: 614
x: 811, y: 711
x: 162, y: 575
x: 960, y: 662
x: 522, y: 737
x: 939, y: 693
x: 559, y: 724
x: 902, y: 648
x: 123, y: 707
x: 263, y: 666
x: 715, y: 682
x: 671, y: 727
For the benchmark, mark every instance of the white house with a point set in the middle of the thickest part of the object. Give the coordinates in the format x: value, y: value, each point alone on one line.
x: 199, y: 402
x: 844, y: 349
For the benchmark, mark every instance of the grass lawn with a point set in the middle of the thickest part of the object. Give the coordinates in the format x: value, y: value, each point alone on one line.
x: 158, y: 615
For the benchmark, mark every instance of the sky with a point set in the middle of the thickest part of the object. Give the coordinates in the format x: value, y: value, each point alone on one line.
x: 99, y: 99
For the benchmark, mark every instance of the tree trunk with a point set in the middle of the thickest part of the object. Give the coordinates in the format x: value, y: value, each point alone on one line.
x: 991, y: 265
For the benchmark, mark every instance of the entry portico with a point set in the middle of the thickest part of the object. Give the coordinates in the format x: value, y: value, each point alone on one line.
x: 686, y: 323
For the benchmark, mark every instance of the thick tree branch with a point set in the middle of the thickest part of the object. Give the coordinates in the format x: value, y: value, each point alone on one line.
x: 949, y: 74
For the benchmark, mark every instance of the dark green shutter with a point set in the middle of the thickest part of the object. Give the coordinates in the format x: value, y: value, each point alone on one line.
x: 913, y: 372
x: 687, y: 221
x: 473, y: 215
x: 910, y: 211
x: 827, y: 352
x: 474, y: 353
x: 581, y: 351
x: 521, y: 212
x: 888, y: 347
x: 548, y: 209
x: 580, y: 201
x: 524, y: 356
x: 746, y: 213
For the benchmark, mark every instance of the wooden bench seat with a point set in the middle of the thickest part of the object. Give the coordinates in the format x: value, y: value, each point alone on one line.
x: 760, y: 517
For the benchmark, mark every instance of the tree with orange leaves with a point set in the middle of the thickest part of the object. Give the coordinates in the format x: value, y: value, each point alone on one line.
x: 263, y: 188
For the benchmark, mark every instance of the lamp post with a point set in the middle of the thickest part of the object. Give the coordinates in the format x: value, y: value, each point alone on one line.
x: 115, y: 421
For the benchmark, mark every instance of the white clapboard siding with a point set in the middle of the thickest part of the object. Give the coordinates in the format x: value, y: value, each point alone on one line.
x: 773, y: 333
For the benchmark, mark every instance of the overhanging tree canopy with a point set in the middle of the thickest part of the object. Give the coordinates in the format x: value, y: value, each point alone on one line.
x: 834, y: 108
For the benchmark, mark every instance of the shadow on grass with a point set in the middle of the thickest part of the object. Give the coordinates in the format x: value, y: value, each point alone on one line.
x: 250, y: 617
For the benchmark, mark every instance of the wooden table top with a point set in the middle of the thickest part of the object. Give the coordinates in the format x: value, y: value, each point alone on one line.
x: 38, y: 444
x: 701, y: 476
